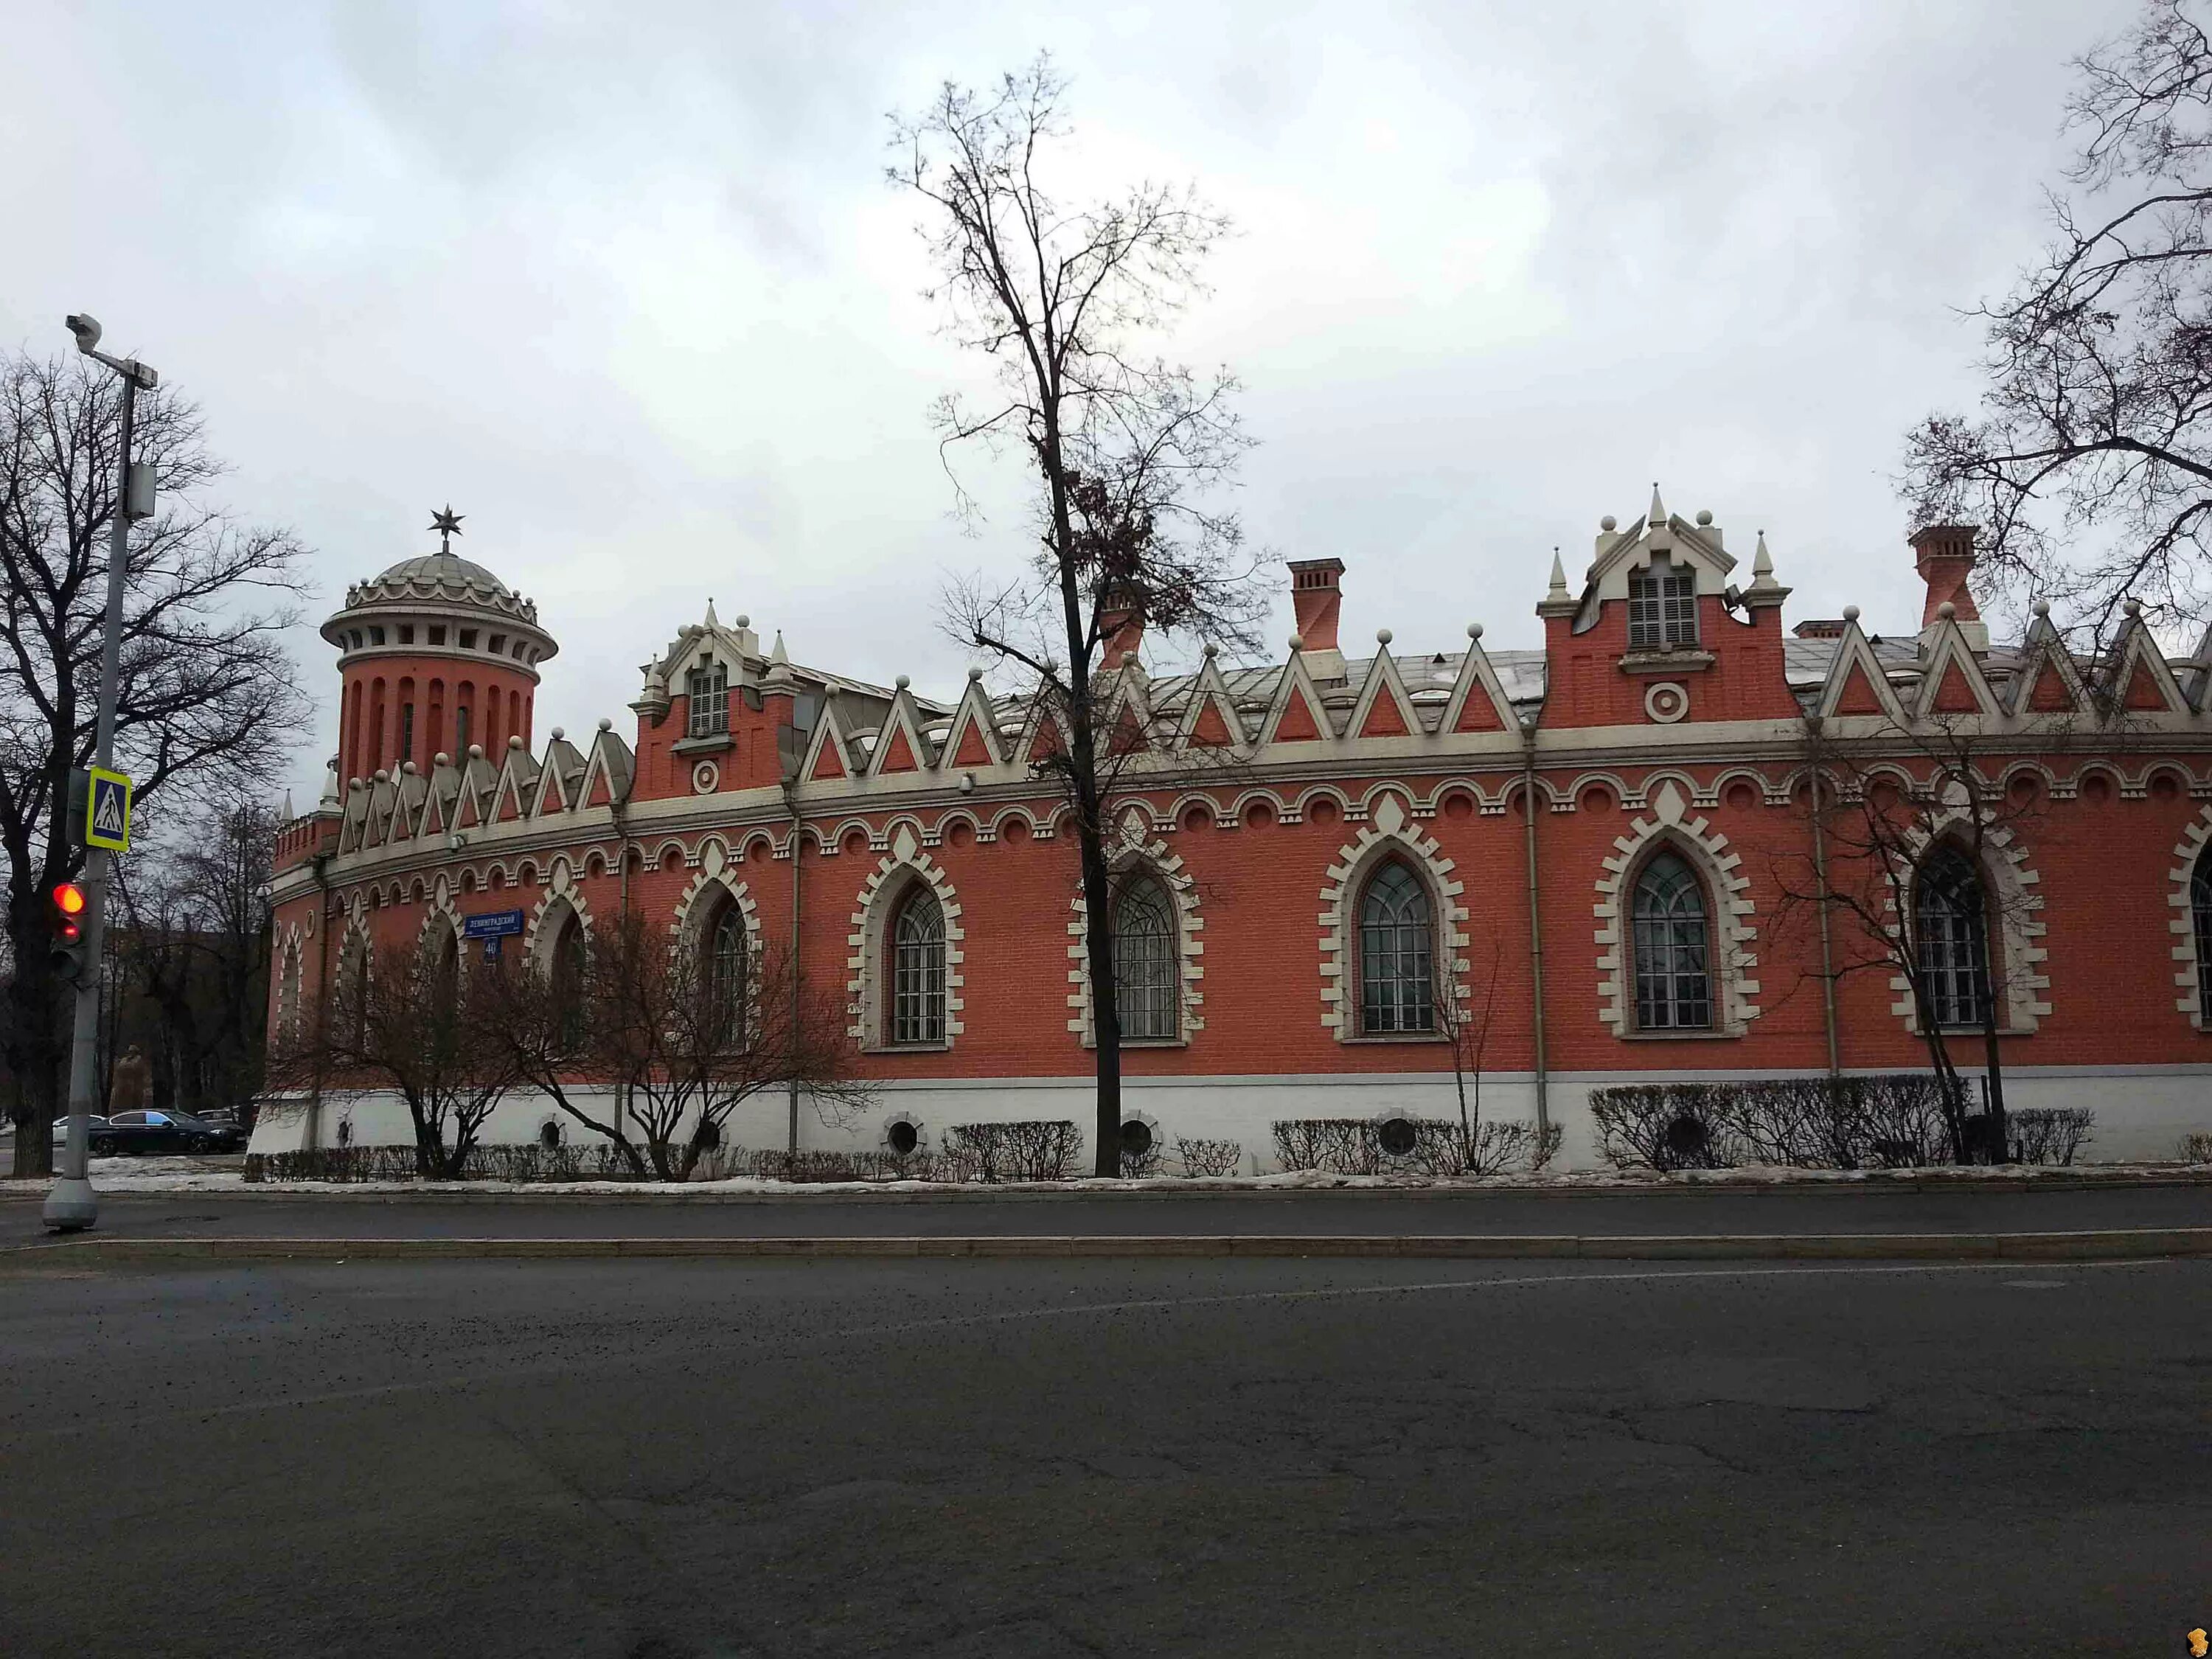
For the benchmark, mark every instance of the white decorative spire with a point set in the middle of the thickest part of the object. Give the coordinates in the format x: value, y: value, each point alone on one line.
x: 1762, y: 565
x: 329, y: 784
x: 289, y: 813
x: 1658, y: 514
x: 779, y: 663
x: 1558, y: 578
x: 711, y: 621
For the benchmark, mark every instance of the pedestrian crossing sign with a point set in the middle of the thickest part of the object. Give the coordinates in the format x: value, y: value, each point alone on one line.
x: 107, y: 811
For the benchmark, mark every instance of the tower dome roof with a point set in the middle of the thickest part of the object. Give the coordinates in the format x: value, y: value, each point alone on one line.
x: 446, y: 569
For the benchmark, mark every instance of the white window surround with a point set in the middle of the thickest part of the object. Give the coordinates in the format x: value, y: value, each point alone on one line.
x: 2017, y: 983
x: 1388, y: 834
x: 1730, y: 932
x: 559, y: 896
x: 1129, y: 850
x: 868, y: 966
x: 701, y: 902
x: 2187, y: 852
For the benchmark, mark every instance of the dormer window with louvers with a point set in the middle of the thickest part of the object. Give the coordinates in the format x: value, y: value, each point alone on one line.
x: 1663, y: 607
x: 708, y: 686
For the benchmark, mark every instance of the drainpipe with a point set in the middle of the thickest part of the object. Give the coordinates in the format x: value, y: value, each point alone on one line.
x: 1536, y: 929
x: 319, y: 863
x: 797, y: 848
x: 1820, y: 875
x: 623, y: 844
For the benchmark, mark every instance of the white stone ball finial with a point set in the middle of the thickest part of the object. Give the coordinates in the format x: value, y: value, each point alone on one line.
x: 899, y: 684
x: 975, y: 673
x: 1947, y: 610
x: 476, y: 752
x: 2133, y: 607
x: 1851, y: 613
x: 558, y: 734
x: 1297, y: 642
x: 1474, y: 630
x: 744, y: 621
x: 1382, y: 636
x: 2041, y: 607
x: 1210, y: 650
x: 1608, y: 522
x: 1705, y: 517
x: 442, y: 759
x: 605, y: 725
x: 515, y: 741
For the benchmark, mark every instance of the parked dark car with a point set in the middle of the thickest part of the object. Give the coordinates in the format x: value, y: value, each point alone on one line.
x: 127, y: 1133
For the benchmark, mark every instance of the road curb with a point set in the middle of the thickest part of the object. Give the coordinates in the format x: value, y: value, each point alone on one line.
x: 30, y: 1191
x: 2101, y: 1245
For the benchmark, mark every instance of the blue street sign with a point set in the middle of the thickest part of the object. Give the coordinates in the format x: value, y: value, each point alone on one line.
x: 493, y: 924
x: 107, y: 816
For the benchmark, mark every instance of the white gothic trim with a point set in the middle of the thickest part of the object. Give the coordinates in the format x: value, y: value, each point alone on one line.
x: 561, y: 893
x: 1388, y: 833
x: 1735, y: 993
x: 885, y: 889
x: 1132, y: 851
x: 2187, y: 852
x: 716, y: 876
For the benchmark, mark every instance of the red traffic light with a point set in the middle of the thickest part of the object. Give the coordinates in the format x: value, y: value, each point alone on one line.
x: 69, y: 905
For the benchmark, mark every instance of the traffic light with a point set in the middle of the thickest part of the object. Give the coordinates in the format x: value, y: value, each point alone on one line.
x: 65, y: 915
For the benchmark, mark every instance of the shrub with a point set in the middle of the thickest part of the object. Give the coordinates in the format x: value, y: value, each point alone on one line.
x: 2048, y: 1134
x: 2197, y: 1147
x: 1892, y: 1122
x: 1662, y: 1126
x: 1353, y: 1145
x: 1224, y: 1157
x: 1038, y: 1149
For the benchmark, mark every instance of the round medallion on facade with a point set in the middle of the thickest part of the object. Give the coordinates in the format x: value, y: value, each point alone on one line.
x: 1666, y: 702
x: 706, y: 778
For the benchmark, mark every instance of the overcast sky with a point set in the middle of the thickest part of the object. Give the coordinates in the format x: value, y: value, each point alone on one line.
x: 625, y: 284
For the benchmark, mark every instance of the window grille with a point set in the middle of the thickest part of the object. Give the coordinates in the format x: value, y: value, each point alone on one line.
x: 1147, y: 963
x: 1663, y: 607
x: 406, y: 732
x: 726, y: 967
x: 1953, y: 942
x: 1397, y: 954
x: 1673, y: 982
x: 918, y: 970
x: 708, y: 686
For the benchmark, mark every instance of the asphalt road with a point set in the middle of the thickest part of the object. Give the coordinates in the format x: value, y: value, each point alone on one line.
x: 1012, y: 1460
x: 1804, y: 1210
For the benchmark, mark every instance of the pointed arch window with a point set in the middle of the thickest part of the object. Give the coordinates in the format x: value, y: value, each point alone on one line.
x: 2200, y: 913
x: 726, y: 966
x: 1147, y: 965
x: 1673, y: 937
x: 1663, y: 606
x: 571, y: 963
x: 918, y: 969
x: 1953, y: 944
x: 1397, y: 954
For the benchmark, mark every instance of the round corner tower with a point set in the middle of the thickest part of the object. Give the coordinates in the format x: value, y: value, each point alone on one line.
x: 435, y: 653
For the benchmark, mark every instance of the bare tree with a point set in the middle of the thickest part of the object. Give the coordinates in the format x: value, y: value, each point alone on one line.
x: 192, y: 943
x: 1912, y: 822
x: 1466, y: 1026
x: 208, y: 695
x: 1126, y: 452
x: 2090, y: 460
x: 406, y: 1019
x: 684, y: 1046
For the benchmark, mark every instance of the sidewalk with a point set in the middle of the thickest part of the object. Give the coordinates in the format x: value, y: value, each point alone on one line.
x: 1963, y: 1221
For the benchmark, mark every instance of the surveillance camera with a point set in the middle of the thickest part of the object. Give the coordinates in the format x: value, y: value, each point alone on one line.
x: 86, y: 330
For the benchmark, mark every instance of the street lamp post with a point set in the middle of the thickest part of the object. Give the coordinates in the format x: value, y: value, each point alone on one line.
x: 72, y: 1205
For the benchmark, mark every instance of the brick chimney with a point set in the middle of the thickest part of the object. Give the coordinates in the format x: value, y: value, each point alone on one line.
x: 1944, y: 555
x: 1315, y: 599
x: 1120, y: 627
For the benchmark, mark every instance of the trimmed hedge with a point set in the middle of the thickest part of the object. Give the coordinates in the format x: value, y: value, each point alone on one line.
x: 527, y: 1162
x: 1045, y: 1149
x: 1353, y: 1145
x: 1891, y: 1121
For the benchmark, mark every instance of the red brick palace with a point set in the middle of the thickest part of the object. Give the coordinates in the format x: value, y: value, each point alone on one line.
x: 1283, y: 914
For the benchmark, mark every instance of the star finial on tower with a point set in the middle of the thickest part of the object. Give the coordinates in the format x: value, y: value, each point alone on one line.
x: 448, y: 524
